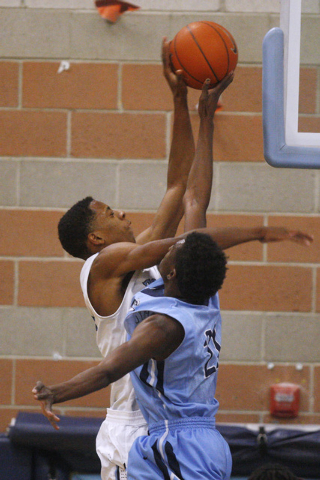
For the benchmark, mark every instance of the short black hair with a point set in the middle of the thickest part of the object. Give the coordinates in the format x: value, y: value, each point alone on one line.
x: 273, y: 471
x: 74, y: 227
x: 201, y: 268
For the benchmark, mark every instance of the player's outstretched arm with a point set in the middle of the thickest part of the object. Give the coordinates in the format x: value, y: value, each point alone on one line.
x: 198, y: 192
x: 156, y: 337
x: 182, y: 149
x: 121, y: 258
x: 232, y: 236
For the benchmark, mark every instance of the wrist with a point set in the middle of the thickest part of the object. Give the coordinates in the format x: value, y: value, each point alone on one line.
x: 207, y: 124
x: 259, y: 233
x: 180, y: 100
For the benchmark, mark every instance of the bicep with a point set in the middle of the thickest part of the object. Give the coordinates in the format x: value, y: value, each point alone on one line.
x: 160, y: 335
x: 121, y: 258
x: 156, y: 337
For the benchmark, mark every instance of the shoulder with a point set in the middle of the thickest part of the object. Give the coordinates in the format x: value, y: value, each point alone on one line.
x: 109, y: 261
x: 168, y: 332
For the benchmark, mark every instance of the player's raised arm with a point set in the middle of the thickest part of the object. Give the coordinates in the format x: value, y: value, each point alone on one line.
x: 170, y: 212
x: 198, y: 192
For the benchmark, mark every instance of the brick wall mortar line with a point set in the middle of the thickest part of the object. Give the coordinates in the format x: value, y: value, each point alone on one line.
x: 118, y: 177
x: 16, y: 283
x: 98, y: 359
x: 222, y: 6
x: 250, y: 263
x: 253, y: 363
x: 40, y: 259
x: 314, y: 291
x: 20, y: 83
x: 273, y: 264
x: 64, y: 338
x: 266, y: 314
x: 263, y: 338
x: 18, y: 176
x: 69, y: 134
x: 318, y: 91
x: 120, y: 89
x: 311, y: 391
x: 13, y: 386
x: 34, y: 209
x: 316, y: 193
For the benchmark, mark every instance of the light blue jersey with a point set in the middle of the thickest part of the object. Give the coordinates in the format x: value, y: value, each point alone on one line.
x: 176, y: 396
x: 184, y: 384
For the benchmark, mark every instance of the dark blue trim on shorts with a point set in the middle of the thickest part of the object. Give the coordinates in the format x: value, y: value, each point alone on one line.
x: 160, y: 463
x: 172, y: 461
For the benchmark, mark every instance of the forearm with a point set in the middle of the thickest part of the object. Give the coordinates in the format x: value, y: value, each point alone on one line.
x: 200, y: 178
x: 84, y: 383
x: 232, y: 236
x: 182, y: 146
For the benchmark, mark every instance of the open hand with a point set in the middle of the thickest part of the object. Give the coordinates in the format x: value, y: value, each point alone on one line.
x: 208, y: 100
x: 175, y: 80
x: 279, y: 234
x: 46, y: 397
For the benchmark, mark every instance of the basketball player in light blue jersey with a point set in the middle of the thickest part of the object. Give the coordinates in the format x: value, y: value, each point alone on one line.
x: 176, y: 387
x: 174, y: 341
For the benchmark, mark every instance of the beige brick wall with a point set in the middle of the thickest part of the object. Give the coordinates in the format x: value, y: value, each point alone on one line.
x: 105, y: 121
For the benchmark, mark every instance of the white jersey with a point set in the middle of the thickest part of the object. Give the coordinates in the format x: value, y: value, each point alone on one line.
x: 110, y: 331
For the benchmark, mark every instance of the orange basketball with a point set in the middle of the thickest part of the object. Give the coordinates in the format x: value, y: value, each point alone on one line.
x: 203, y: 50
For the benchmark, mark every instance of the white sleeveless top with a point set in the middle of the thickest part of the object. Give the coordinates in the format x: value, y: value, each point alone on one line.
x: 110, y: 331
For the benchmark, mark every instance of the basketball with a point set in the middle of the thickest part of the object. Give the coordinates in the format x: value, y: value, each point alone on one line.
x: 203, y: 50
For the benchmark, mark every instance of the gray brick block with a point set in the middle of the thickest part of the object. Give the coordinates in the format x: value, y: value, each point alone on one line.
x: 252, y: 6
x: 8, y: 182
x: 80, y: 334
x: 292, y: 338
x: 74, y: 4
x: 241, y: 337
x: 10, y: 3
x: 310, y: 28
x: 269, y: 6
x: 31, y: 331
x: 179, y: 5
x: 34, y: 33
x: 261, y: 188
x: 60, y: 184
x: 142, y: 185
x: 135, y: 37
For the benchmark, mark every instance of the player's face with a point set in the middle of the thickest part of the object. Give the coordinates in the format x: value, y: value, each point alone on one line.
x: 168, y: 262
x: 112, y: 224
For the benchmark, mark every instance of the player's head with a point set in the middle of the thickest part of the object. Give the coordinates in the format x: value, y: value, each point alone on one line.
x: 197, y: 266
x: 89, y: 226
x: 273, y: 471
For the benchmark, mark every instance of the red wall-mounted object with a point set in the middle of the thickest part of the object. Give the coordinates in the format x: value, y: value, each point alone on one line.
x: 285, y: 398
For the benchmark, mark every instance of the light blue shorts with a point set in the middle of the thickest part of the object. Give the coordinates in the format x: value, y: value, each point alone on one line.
x: 186, y: 449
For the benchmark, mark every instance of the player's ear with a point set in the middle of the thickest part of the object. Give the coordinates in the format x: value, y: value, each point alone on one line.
x: 172, y: 274
x: 95, y: 239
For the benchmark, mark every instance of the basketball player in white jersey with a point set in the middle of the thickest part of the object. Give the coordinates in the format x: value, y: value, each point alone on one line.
x: 115, y: 270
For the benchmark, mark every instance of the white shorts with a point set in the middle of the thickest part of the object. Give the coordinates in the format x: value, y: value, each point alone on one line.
x: 116, y: 435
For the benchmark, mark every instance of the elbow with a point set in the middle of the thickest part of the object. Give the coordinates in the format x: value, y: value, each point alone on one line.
x: 192, y: 203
